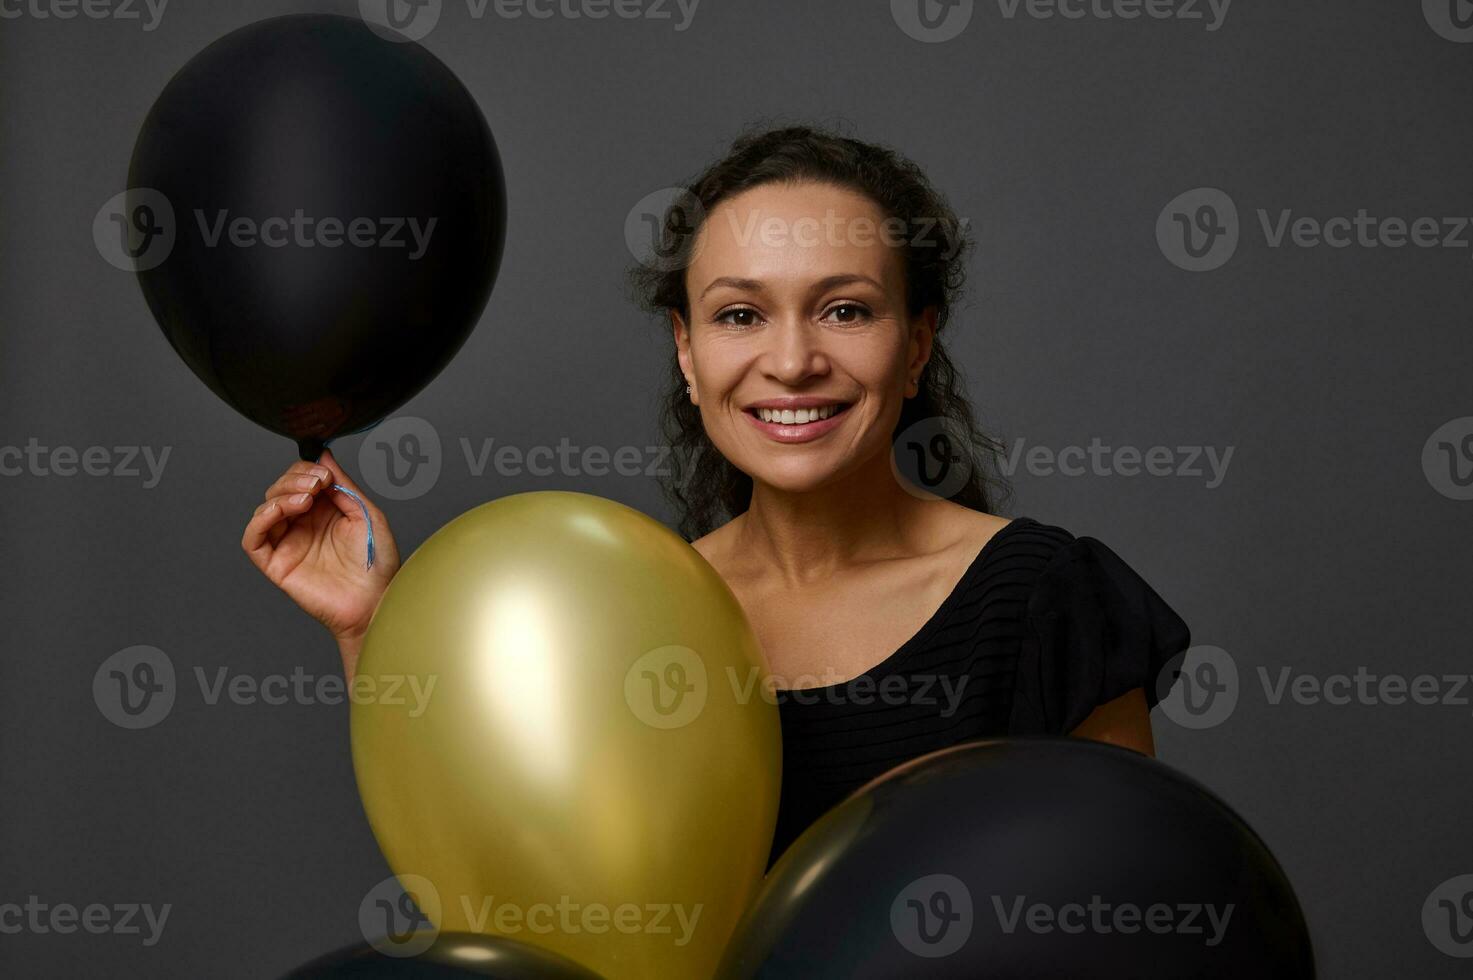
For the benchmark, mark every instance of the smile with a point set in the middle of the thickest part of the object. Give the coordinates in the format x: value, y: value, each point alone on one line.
x: 801, y: 424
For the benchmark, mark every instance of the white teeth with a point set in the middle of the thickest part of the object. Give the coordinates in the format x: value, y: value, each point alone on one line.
x: 799, y: 416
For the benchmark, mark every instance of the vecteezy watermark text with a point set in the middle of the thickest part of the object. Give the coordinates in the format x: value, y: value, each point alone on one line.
x: 1101, y: 917
x: 401, y: 459
x: 398, y: 915
x: 1200, y: 688
x: 668, y: 687
x: 39, y: 917
x: 136, y: 230
x: 1103, y: 460
x: 148, y: 12
x: 843, y: 231
x: 1199, y: 230
x: 137, y: 686
x: 305, y: 231
x: 935, y: 21
x: 411, y: 20
x: 35, y: 459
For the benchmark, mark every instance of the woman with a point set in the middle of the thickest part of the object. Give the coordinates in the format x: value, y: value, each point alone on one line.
x: 812, y: 277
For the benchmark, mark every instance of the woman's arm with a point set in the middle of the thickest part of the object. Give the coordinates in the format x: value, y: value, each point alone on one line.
x: 1125, y: 721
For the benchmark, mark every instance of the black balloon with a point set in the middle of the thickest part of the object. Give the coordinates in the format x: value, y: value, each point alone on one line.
x: 1026, y: 858
x: 338, y: 217
x: 451, y: 956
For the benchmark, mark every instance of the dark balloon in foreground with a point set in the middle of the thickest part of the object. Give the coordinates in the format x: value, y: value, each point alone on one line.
x: 1026, y: 858
x: 451, y: 956
x: 316, y: 215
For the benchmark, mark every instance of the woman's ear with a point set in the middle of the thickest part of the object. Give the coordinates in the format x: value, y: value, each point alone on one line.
x: 682, y: 348
x: 922, y: 335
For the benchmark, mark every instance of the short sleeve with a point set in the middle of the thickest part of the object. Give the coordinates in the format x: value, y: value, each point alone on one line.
x: 1093, y: 631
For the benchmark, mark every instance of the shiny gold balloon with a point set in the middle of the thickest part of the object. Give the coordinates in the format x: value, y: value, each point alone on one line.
x: 563, y: 733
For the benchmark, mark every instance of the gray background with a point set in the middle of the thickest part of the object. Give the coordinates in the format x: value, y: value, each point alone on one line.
x: 1326, y: 548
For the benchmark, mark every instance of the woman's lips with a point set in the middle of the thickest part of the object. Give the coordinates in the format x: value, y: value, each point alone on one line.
x: 806, y: 432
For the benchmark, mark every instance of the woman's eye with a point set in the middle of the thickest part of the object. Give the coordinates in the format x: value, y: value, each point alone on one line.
x: 738, y: 317
x: 848, y: 313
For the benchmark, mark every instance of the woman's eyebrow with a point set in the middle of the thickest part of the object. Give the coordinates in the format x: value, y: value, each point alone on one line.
x: 753, y: 285
x: 845, y: 279
x: 822, y: 286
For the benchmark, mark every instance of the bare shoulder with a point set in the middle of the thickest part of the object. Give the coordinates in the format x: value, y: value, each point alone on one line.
x: 967, y: 529
x: 715, y: 546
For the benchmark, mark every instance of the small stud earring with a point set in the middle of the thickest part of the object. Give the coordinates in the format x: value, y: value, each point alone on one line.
x: 687, y: 389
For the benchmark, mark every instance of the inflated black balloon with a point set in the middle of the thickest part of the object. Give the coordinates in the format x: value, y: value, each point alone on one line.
x: 1030, y: 857
x: 337, y: 212
x: 451, y: 956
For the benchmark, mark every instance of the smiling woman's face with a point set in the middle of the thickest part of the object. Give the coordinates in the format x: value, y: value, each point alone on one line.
x: 797, y: 305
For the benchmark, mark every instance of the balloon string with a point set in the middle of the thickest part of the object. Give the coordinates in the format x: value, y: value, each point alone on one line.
x: 366, y: 520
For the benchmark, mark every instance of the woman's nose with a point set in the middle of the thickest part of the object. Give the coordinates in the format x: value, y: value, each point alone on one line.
x: 797, y: 351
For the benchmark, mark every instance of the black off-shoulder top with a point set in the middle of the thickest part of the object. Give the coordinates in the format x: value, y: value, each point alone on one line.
x: 1042, y: 628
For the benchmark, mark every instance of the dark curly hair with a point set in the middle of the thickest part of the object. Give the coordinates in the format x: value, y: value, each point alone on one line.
x: 705, y: 488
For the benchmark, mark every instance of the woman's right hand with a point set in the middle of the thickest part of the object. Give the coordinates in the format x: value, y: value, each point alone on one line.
x: 311, y: 542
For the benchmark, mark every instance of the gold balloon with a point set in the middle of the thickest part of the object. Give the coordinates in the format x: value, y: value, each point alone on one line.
x: 563, y: 733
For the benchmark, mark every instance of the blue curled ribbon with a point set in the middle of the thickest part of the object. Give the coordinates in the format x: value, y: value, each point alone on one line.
x: 366, y: 520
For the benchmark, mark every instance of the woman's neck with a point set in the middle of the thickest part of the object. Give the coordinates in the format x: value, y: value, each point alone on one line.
x: 806, y: 537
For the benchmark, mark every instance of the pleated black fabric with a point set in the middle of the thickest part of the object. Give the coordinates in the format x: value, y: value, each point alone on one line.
x: 1042, y: 628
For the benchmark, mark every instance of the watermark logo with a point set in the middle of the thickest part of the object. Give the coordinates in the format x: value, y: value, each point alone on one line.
x: 1198, y: 688
x: 932, y: 916
x: 1451, y: 19
x: 397, y: 917
x: 1447, y: 917
x: 400, y: 458
x: 931, y: 458
x: 135, y: 229
x: 666, y: 688
x: 134, y: 688
x: 1447, y: 459
x: 932, y: 21
x: 137, y: 688
x: 400, y: 20
x: 1198, y: 230
x: 662, y: 230
x: 1208, y: 689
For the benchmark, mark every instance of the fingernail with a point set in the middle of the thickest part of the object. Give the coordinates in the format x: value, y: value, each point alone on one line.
x: 310, y: 482
x: 322, y: 473
x: 301, y: 498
